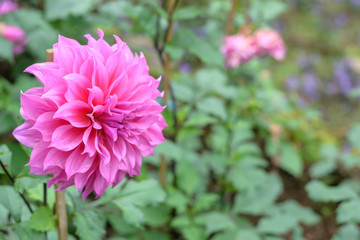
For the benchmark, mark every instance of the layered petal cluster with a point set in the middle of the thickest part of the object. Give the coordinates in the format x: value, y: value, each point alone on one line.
x: 7, y: 6
x: 240, y: 48
x: 95, y: 117
x: 14, y: 35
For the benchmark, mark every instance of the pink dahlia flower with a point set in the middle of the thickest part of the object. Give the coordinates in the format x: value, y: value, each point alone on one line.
x: 238, y: 49
x: 7, y: 6
x: 269, y: 41
x: 95, y: 117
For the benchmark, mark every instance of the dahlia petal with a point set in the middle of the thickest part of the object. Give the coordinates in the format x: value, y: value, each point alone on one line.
x: 77, y: 163
x: 66, y: 137
x: 77, y: 87
x: 26, y: 135
x: 32, y: 98
x: 56, y: 158
x: 37, y: 157
x: 100, y: 77
x: 100, y: 185
x: 75, y: 113
x: 46, y: 125
x: 90, y: 139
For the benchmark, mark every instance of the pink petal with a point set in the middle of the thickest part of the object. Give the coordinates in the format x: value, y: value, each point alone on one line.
x: 67, y: 137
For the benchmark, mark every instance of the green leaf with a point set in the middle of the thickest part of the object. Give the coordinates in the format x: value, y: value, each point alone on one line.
x: 320, y: 192
x: 291, y: 160
x: 177, y: 200
x: 42, y: 219
x: 55, y: 9
x: 156, y: 216
x: 153, y: 234
x: 11, y: 201
x: 214, y: 106
x: 277, y: 224
x: 144, y: 193
x: 24, y: 233
x: 205, y: 201
x: 193, y: 233
x: 260, y: 198
x: 264, y: 11
x: 199, y: 120
x: 188, y: 12
x: 348, y: 211
x: 348, y: 232
x: 327, y: 165
x: 5, y: 157
x: 353, y: 136
x: 181, y: 222
x: 217, y: 221
x: 291, y: 208
x: 6, y: 49
x: 247, y: 234
x: 188, y: 177
x: 132, y: 214
x: 89, y: 225
x: 30, y: 181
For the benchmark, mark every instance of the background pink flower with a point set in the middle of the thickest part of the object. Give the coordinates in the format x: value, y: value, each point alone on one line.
x: 15, y: 35
x: 238, y: 49
x: 269, y: 41
x: 94, y: 118
x: 7, y: 6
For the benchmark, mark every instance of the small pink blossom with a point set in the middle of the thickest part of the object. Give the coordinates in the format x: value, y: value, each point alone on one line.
x: 7, y: 6
x: 95, y: 117
x: 15, y: 35
x: 238, y: 49
x: 269, y: 41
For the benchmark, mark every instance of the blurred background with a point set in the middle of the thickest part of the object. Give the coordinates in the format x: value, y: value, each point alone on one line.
x: 268, y: 150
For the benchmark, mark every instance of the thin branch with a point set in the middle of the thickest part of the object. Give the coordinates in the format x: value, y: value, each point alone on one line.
x: 12, y: 181
x: 230, y: 18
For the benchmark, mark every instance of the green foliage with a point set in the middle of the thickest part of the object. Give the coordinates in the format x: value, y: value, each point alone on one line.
x: 42, y: 220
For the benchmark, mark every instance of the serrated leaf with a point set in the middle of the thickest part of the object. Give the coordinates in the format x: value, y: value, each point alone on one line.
x: 348, y: 232
x: 11, y: 201
x: 188, y: 177
x: 320, y: 192
x: 302, y: 214
x: 348, y: 211
x: 42, y: 219
x: 27, y: 182
x: 89, y: 225
x: 291, y: 160
x: 276, y: 224
x: 205, y: 201
x: 214, y: 106
x: 259, y: 198
x: 247, y: 234
x: 143, y: 193
x: 217, y: 221
x: 133, y: 215
x: 156, y: 216
x: 55, y: 9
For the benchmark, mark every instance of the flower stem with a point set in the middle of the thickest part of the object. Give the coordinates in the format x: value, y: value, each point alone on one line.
x: 230, y: 18
x: 12, y: 181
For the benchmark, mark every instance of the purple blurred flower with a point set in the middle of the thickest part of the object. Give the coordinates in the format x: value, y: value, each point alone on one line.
x: 292, y: 83
x: 200, y: 32
x: 341, y: 20
x: 185, y: 67
x: 343, y: 77
x: 310, y: 86
x: 355, y: 3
